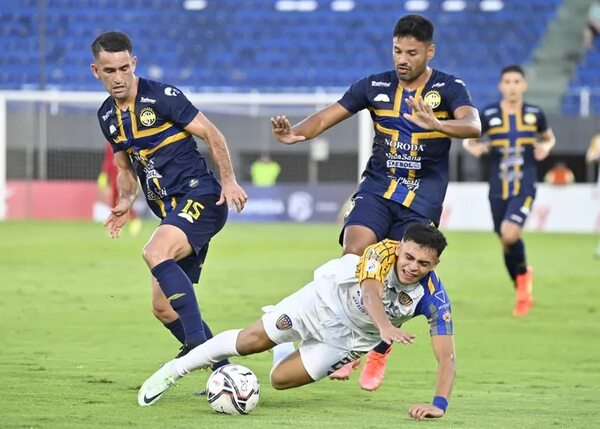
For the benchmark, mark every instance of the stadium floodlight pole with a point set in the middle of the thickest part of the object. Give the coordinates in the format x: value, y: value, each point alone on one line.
x: 3, y: 133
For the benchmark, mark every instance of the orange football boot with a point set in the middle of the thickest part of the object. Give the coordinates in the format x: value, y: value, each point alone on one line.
x: 344, y: 372
x: 372, y: 374
x: 524, y: 293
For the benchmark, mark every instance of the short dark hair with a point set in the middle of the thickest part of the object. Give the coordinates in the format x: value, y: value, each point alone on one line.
x: 426, y: 236
x: 512, y: 68
x: 112, y: 41
x: 416, y: 26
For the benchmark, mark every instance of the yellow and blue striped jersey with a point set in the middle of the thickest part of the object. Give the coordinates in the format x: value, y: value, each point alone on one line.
x: 513, y: 168
x: 408, y: 164
x: 163, y: 153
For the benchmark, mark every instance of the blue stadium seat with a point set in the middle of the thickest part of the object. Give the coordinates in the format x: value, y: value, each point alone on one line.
x: 249, y: 45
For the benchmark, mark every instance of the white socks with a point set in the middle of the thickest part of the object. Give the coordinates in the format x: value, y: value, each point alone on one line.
x: 219, y: 347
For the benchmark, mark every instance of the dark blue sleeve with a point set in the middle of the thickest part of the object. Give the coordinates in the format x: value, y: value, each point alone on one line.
x: 485, y: 125
x: 176, y: 107
x: 355, y: 99
x: 541, y: 122
x: 436, y: 308
x: 458, y: 95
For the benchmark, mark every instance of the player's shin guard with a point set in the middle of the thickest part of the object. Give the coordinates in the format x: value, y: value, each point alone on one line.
x: 212, y: 351
x: 178, y: 289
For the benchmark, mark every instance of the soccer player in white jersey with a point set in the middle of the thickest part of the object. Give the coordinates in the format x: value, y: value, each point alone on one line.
x: 352, y: 304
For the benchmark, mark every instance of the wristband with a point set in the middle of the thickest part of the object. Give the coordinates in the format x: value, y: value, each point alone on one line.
x: 440, y: 402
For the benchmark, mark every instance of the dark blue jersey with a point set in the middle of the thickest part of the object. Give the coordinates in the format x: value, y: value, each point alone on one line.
x: 164, y: 155
x: 408, y: 164
x: 512, y: 141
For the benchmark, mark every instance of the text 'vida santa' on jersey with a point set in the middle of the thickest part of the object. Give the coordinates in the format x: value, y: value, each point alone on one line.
x: 408, y: 164
x: 164, y: 154
x: 513, y: 168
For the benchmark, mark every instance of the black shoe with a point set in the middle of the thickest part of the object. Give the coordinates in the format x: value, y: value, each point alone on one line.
x: 185, y: 349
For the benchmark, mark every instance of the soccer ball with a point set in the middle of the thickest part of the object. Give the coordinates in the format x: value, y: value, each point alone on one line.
x: 233, y: 389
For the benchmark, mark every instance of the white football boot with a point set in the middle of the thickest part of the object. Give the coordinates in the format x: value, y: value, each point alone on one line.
x: 155, y: 386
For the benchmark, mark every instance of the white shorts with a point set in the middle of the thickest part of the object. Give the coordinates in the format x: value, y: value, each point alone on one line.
x: 327, y: 341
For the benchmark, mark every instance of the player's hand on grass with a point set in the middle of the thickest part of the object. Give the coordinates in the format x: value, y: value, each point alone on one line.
x: 117, y: 218
x: 422, y: 114
x: 421, y: 411
x: 391, y: 334
x: 282, y: 130
x: 233, y: 194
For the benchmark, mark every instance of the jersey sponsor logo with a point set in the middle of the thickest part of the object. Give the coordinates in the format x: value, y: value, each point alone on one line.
x: 432, y: 99
x: 172, y: 92
x: 495, y: 122
x: 404, y: 298
x: 404, y: 146
x: 382, y: 97
x: 447, y: 316
x: 406, y: 165
x: 529, y: 118
x: 147, y: 116
x: 379, y: 83
x: 193, y: 183
x: 441, y: 296
x: 510, y: 175
x: 411, y: 184
x: 147, y: 100
x: 438, y: 84
x: 371, y: 266
x: 283, y: 322
x: 107, y: 115
x: 490, y: 111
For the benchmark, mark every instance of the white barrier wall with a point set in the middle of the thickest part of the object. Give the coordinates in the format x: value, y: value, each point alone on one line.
x: 571, y: 208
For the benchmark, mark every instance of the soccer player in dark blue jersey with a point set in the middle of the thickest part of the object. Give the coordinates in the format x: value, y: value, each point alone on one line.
x: 518, y: 137
x: 416, y: 110
x: 150, y: 126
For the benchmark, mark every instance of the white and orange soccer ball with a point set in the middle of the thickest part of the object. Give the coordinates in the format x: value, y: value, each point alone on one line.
x: 233, y: 389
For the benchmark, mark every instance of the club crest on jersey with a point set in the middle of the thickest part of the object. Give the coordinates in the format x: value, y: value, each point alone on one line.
x: 283, y: 322
x: 447, y: 317
x: 147, y: 116
x: 433, y: 99
x: 404, y: 298
x: 529, y: 118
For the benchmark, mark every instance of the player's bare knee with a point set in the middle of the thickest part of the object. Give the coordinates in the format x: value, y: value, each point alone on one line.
x: 250, y: 342
x: 163, y: 312
x: 353, y: 249
x: 152, y: 256
x: 278, y: 381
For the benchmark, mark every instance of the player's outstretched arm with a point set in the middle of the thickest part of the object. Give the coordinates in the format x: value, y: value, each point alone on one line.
x: 372, y: 291
x: 310, y: 127
x: 443, y: 349
x: 544, y: 145
x: 127, y: 187
x: 232, y: 193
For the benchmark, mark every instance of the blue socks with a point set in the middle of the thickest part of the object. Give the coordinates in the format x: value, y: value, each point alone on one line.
x: 178, y: 289
x: 514, y: 259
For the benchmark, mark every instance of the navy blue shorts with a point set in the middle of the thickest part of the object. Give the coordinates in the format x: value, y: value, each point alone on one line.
x: 515, y: 210
x: 386, y: 218
x: 200, y: 219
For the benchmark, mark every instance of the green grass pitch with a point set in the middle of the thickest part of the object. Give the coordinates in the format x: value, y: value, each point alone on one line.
x: 78, y: 336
